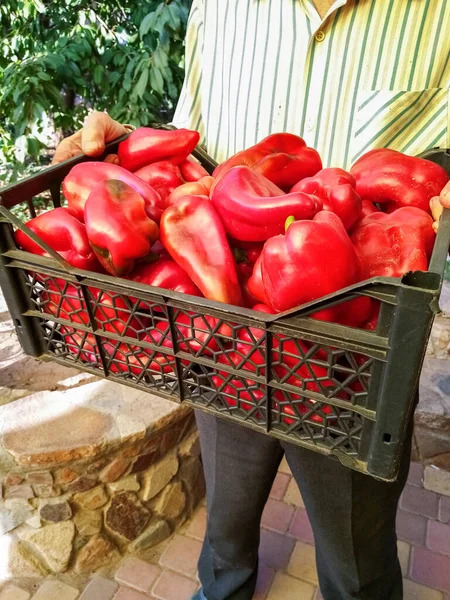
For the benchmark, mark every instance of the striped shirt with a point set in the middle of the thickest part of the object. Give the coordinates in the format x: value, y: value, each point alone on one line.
x: 371, y: 73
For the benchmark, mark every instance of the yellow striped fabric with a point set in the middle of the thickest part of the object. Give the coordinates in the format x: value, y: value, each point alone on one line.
x: 372, y: 73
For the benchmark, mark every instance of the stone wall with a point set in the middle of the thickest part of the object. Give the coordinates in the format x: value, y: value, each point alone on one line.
x: 86, y: 513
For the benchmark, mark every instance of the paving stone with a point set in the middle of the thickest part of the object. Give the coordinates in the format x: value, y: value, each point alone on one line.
x: 129, y: 483
x: 404, y: 551
x: 137, y: 574
x: 285, y: 587
x: 303, y: 563
x: 275, y: 549
x: 56, y: 590
x: 181, y: 555
x: 263, y: 583
x: 437, y: 480
x: 430, y: 569
x: 92, y: 499
x: 88, y: 522
x: 415, y: 475
x: 157, y: 531
x: 438, y: 537
x: 419, y: 501
x: 197, y: 526
x: 411, y: 528
x: 40, y: 478
x: 98, y: 552
x: 115, y: 470
x: 415, y: 591
x: 172, y: 586
x: 99, y: 588
x: 277, y: 515
x: 300, y: 527
x: 126, y: 515
x: 171, y: 502
x: 19, y: 491
x: 14, y: 593
x: 55, y: 512
x: 279, y: 486
x: 293, y: 495
x: 53, y: 543
x: 156, y: 478
x: 284, y: 467
x: 82, y: 484
x: 444, y: 509
x: 127, y: 594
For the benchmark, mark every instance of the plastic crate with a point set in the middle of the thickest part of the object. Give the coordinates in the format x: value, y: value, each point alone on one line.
x: 354, y: 391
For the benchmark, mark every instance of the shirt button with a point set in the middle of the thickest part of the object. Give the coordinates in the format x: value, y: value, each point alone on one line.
x: 320, y: 36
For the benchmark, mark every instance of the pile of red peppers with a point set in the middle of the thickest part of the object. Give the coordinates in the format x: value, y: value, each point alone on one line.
x: 270, y: 230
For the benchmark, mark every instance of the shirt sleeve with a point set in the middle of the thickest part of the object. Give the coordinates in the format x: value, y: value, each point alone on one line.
x: 188, y: 112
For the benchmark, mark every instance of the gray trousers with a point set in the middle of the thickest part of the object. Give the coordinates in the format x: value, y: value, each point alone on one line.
x: 352, y: 516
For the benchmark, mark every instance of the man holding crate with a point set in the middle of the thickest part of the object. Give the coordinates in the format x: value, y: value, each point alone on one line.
x: 347, y: 76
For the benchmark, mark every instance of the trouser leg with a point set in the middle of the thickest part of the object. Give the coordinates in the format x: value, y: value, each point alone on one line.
x: 240, y: 466
x: 353, y: 519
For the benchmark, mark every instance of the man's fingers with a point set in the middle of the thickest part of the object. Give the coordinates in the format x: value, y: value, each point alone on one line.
x: 99, y: 129
x: 445, y: 196
x: 67, y: 148
x: 436, y: 207
x: 112, y: 158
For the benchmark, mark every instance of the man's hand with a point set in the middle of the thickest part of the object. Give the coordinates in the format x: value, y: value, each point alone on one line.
x: 91, y: 139
x: 438, y: 203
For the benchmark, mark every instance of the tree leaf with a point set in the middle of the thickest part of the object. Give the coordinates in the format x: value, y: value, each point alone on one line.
x: 141, y: 86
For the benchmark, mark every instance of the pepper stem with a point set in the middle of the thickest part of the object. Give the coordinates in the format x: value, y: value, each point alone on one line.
x: 288, y: 222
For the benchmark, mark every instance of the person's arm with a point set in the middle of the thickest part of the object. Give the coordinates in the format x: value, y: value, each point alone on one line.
x: 188, y: 113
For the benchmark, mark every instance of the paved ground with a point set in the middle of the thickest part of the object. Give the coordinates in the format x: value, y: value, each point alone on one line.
x: 287, y: 554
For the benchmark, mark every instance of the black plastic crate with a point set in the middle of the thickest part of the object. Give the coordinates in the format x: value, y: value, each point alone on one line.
x: 345, y: 392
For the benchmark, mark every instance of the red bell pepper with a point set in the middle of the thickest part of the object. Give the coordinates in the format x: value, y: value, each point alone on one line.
x: 201, y: 335
x: 194, y: 236
x: 383, y: 175
x: 202, y: 187
x: 253, y: 209
x: 336, y: 189
x: 146, y: 145
x: 255, y: 282
x: 367, y: 208
x: 192, y: 170
x: 313, y: 259
x: 162, y: 176
x: 283, y: 158
x: 65, y: 301
x: 246, y: 254
x: 118, y: 227
x: 65, y: 234
x: 237, y: 392
x: 390, y: 245
x: 82, y: 179
x: 167, y: 274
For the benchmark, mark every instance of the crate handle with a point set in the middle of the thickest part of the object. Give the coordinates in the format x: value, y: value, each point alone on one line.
x: 36, y: 239
x: 441, y: 245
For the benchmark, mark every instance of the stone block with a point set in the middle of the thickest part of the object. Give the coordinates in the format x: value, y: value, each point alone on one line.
x: 19, y: 491
x: 88, y: 523
x: 277, y: 515
x: 34, y: 522
x: 46, y: 491
x: 182, y: 555
x: 303, y: 563
x: 92, y: 499
x: 126, y: 516
x: 438, y: 537
x: 143, y: 462
x: 56, y: 590
x: 411, y: 528
x: 171, y: 502
x: 23, y: 563
x: 40, y: 478
x: 190, y: 446
x: 98, y: 552
x: 137, y: 574
x: 53, y: 543
x: 190, y: 469
x: 99, y: 588
x: 55, y: 512
x: 158, y: 476
x: 129, y: 484
x: 444, y: 509
x: 14, y: 479
x: 285, y: 586
x: 172, y: 586
x: 13, y: 592
x: 10, y: 518
x: 437, y: 480
x: 156, y: 532
x: 82, y: 484
x: 114, y: 470
x: 65, y: 475
x: 419, y: 501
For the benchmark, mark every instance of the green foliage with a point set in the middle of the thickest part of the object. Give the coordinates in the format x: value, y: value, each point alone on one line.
x: 61, y: 58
